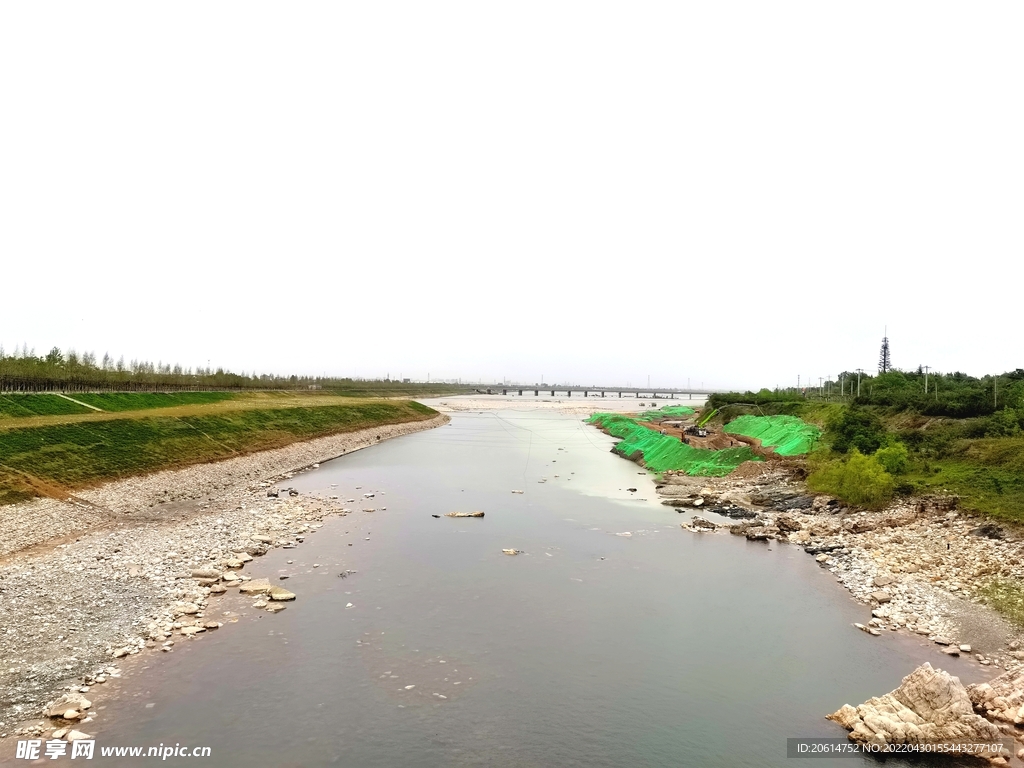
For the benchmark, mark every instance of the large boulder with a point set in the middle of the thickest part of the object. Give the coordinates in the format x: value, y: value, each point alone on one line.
x: 1001, y: 698
x: 930, y: 706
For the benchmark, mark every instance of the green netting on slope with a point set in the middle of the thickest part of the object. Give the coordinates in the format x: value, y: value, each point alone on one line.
x: 788, y: 435
x: 662, y: 452
x: 667, y: 412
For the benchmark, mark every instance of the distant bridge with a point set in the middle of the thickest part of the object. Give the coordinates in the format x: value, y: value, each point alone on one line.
x: 649, y: 393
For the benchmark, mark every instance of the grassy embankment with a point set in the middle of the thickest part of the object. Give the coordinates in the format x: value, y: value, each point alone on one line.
x: 47, y: 453
x: 920, y: 453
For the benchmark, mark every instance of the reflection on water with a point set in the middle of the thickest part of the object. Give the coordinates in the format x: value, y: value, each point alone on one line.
x: 591, y: 648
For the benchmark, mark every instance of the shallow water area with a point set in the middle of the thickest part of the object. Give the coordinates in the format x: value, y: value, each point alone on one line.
x: 614, y: 638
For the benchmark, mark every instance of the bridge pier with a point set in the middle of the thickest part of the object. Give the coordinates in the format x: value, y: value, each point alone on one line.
x: 520, y: 393
x: 568, y: 393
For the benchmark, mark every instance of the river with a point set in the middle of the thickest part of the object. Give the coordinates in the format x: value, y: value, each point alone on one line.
x: 591, y: 648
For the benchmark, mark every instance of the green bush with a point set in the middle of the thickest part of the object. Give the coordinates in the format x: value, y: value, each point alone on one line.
x: 860, y: 480
x: 893, y: 458
x: 856, y: 428
x: 1004, y: 423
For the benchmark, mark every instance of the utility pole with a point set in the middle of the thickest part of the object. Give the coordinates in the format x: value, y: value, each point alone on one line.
x: 995, y: 398
x: 926, y: 369
x: 859, y: 372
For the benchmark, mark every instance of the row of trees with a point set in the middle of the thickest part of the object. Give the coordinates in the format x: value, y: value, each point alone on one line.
x: 931, y: 393
x: 71, y: 371
x: 944, y: 394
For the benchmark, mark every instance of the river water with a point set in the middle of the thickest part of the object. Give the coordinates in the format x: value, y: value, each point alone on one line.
x: 592, y: 648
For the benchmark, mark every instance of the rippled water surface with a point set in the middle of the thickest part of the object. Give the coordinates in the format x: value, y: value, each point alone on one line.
x: 661, y: 648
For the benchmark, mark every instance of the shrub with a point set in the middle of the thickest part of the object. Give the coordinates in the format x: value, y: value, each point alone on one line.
x: 1004, y: 423
x: 858, y: 479
x: 893, y: 458
x: 856, y: 428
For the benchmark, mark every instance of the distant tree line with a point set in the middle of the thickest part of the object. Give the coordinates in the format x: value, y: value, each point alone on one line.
x: 70, y: 371
x: 955, y: 395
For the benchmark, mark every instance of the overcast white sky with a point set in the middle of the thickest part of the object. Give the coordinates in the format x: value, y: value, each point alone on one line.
x: 731, y: 193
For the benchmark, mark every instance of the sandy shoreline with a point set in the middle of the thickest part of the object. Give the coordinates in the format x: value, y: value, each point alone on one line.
x: 109, y: 573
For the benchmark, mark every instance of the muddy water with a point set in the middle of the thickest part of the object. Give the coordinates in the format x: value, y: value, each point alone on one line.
x: 591, y: 648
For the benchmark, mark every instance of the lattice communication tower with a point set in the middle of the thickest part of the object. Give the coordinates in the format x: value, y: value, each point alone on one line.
x: 884, y: 363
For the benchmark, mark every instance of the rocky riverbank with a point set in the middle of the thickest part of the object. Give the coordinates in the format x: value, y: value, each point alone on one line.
x: 918, y: 566
x: 134, y: 565
x: 933, y: 708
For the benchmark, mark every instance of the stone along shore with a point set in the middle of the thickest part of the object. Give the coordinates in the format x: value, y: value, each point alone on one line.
x: 132, y: 566
x: 919, y: 567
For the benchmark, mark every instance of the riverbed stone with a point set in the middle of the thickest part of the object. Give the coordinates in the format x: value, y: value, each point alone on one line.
x: 255, y: 586
x: 67, y: 702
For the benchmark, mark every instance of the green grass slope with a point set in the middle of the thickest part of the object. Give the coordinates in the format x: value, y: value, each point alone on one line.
x: 18, y: 406
x: 81, y: 454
